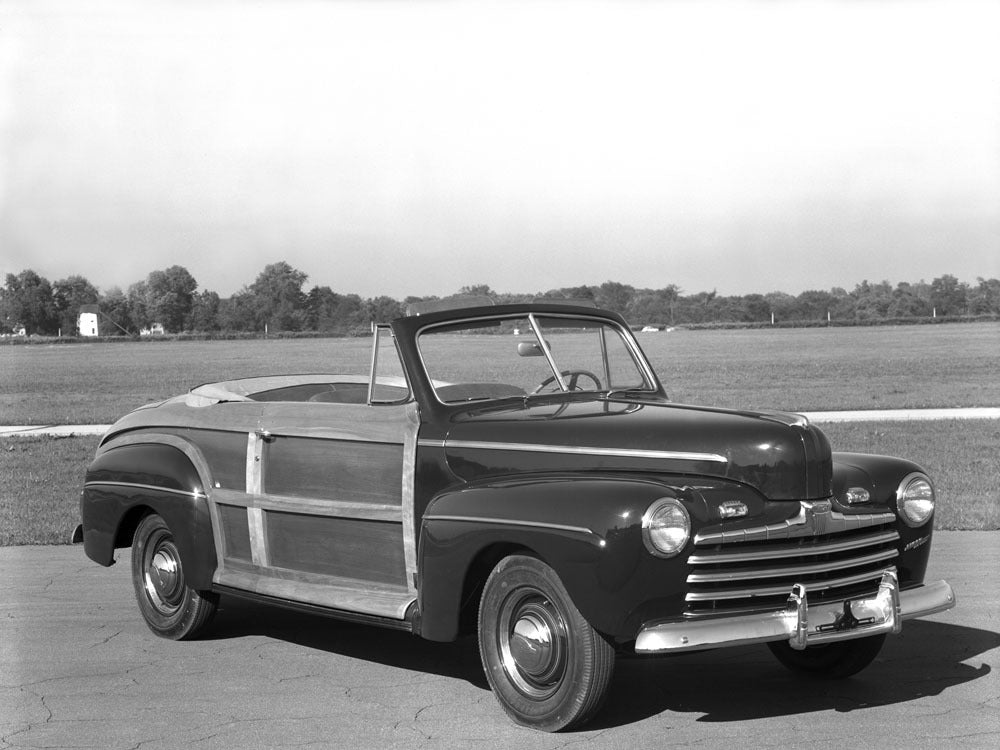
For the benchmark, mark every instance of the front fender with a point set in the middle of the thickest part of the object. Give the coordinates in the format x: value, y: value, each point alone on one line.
x: 131, y: 478
x: 589, y: 530
x: 881, y: 476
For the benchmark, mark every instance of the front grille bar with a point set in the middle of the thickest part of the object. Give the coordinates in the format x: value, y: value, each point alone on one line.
x: 747, y: 593
x: 815, y: 518
x: 799, y: 570
x: 791, y: 550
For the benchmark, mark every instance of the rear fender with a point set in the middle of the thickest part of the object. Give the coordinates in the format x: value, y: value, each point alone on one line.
x: 147, y: 473
x: 589, y: 530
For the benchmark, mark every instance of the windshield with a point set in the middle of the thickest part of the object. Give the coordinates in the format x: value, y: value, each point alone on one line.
x: 523, y: 356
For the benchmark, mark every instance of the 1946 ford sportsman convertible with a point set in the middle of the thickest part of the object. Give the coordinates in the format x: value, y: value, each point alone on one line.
x: 517, y: 471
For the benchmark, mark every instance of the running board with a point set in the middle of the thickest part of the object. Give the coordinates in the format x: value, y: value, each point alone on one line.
x: 407, y: 625
x: 323, y: 592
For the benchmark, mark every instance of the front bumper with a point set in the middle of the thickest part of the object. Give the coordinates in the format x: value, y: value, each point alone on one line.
x: 800, y: 624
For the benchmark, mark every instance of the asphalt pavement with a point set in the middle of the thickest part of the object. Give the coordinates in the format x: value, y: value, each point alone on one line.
x: 79, y: 669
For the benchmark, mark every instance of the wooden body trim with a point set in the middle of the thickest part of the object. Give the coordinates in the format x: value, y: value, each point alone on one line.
x: 393, y: 522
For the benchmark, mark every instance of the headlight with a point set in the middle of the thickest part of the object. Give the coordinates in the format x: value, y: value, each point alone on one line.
x: 915, y: 499
x: 666, y: 527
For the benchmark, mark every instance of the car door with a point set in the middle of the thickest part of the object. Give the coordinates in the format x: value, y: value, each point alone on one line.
x: 327, y: 516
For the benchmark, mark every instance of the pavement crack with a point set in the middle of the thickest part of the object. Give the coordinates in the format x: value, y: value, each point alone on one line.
x: 104, y: 641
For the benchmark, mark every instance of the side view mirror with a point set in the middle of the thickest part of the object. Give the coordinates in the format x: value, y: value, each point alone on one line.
x: 529, y: 349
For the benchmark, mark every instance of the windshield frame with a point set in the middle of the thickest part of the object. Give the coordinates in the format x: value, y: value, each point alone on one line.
x: 651, y: 384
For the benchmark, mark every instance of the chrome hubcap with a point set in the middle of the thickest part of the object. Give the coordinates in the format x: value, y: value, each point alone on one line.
x: 532, y: 635
x: 163, y: 579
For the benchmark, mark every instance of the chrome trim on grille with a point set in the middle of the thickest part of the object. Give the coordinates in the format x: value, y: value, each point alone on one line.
x: 814, y: 518
x: 574, y: 450
x: 746, y: 593
x: 799, y: 570
x: 772, y: 553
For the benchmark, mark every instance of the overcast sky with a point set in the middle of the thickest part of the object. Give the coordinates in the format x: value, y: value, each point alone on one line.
x: 411, y: 148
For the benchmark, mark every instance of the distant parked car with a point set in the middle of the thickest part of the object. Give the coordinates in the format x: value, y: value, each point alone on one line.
x: 539, y: 490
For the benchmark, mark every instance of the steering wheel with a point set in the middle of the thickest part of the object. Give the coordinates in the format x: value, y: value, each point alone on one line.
x: 573, y: 375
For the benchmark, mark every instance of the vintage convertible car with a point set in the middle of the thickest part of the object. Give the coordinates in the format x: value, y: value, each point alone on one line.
x: 516, y: 471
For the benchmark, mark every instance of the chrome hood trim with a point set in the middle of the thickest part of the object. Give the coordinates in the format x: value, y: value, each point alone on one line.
x: 574, y: 450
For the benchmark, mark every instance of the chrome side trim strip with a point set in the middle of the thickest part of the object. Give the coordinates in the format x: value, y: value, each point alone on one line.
x: 801, y: 570
x: 516, y: 522
x: 574, y: 450
x: 779, y: 590
x: 184, y: 493
x: 773, y: 553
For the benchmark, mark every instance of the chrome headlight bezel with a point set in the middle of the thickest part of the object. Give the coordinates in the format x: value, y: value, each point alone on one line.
x: 666, y: 527
x: 915, y: 499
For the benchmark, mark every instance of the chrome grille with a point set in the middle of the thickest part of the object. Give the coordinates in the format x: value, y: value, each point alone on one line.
x: 835, y: 556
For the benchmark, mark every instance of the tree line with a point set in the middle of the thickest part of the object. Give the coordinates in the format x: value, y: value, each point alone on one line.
x: 277, y: 301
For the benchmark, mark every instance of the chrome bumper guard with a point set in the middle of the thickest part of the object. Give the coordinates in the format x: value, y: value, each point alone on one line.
x: 802, y: 625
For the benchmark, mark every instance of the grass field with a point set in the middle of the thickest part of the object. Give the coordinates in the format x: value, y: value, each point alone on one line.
x: 792, y: 369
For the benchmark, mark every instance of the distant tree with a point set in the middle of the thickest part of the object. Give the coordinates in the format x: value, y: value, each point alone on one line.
x: 578, y: 292
x: 654, y: 306
x: 321, y: 306
x: 345, y: 313
x: 843, y: 304
x: 782, y: 306
x: 277, y: 298
x: 756, y: 309
x: 477, y: 290
x: 140, y: 316
x: 872, y: 301
x: 948, y: 295
x: 28, y: 301
x: 984, y: 298
x: 908, y: 302
x: 351, y: 314
x: 204, y: 312
x: 384, y: 309
x: 115, y: 309
x: 614, y: 296
x: 814, y: 305
x: 68, y: 295
x: 238, y: 313
x: 170, y: 297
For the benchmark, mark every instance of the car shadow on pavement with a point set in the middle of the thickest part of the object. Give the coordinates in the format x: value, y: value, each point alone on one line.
x: 724, y: 685
x: 238, y: 618
x: 747, y: 682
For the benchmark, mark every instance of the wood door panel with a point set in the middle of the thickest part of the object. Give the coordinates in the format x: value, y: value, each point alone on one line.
x: 334, y: 470
x: 343, y: 547
x: 235, y: 532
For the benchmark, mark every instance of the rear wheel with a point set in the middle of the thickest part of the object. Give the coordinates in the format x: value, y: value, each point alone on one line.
x: 832, y: 661
x: 170, y: 607
x: 547, y: 666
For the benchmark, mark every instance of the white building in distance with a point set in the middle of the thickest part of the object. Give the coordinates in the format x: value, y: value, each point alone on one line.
x: 86, y: 321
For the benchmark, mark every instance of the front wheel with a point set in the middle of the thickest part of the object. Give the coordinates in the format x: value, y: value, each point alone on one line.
x: 547, y: 666
x: 832, y: 661
x: 170, y: 607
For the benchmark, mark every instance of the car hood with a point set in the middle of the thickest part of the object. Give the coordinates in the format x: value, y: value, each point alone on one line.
x: 780, y: 454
